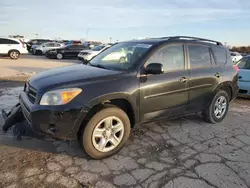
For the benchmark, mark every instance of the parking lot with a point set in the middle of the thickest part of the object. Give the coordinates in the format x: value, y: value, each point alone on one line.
x: 29, y: 64
x: 178, y: 153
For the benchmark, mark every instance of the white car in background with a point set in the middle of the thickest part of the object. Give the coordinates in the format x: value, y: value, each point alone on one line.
x: 235, y: 56
x: 12, y: 47
x: 87, y: 55
x: 43, y: 48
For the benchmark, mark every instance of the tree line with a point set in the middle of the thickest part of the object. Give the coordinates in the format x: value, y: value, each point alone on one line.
x: 241, y: 49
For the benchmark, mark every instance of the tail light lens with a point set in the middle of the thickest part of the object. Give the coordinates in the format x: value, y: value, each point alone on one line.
x: 236, y: 68
x: 22, y: 43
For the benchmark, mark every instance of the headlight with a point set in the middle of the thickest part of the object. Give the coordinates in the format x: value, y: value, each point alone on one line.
x: 60, y: 97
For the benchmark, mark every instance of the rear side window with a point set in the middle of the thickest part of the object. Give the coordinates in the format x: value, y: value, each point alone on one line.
x: 199, y: 56
x: 220, y: 55
x: 8, y: 41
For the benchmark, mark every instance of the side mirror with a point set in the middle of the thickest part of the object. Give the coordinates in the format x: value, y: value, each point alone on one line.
x: 154, y: 68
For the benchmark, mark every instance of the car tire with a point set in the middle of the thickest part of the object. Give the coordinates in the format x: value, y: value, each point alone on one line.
x: 112, y: 140
x: 14, y: 54
x: 59, y: 56
x: 122, y: 60
x: 218, y: 108
x: 38, y: 52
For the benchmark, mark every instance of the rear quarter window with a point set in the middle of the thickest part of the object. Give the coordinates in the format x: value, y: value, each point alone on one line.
x: 220, y: 55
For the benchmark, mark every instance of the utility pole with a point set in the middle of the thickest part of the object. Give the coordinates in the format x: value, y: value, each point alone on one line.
x: 87, y: 32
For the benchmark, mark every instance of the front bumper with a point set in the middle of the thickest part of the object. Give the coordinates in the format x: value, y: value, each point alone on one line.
x: 57, y: 121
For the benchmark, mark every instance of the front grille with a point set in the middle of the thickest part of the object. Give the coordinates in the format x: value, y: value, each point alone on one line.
x: 31, y: 92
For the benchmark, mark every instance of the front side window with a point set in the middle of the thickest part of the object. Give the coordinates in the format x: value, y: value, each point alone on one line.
x: 199, y: 56
x: 121, y: 56
x: 171, y: 57
x: 244, y: 63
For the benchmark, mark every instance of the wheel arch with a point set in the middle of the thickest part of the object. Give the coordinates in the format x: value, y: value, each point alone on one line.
x: 227, y: 87
x: 13, y: 50
x: 121, y: 101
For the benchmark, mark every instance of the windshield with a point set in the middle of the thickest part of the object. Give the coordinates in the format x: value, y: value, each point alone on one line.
x: 121, y: 56
x: 244, y: 63
x: 97, y: 48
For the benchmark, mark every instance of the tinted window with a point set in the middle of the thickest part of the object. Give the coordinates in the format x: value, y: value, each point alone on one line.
x: 244, y: 63
x: 199, y: 56
x: 171, y: 57
x: 220, y: 55
x: 7, y: 41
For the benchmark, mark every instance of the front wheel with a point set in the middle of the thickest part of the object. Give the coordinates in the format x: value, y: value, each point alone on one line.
x: 217, y: 110
x: 106, y: 133
x: 59, y: 56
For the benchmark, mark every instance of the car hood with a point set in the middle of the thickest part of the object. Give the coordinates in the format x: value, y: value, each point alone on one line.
x: 86, y: 51
x: 68, y: 75
x: 244, y: 75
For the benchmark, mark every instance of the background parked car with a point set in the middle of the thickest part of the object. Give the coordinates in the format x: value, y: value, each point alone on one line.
x: 244, y: 76
x: 12, y: 47
x: 35, y: 42
x: 87, y: 55
x: 43, y: 48
x: 235, y: 56
x: 70, y: 51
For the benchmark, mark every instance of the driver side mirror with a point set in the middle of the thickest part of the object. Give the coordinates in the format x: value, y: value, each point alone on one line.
x: 154, y: 68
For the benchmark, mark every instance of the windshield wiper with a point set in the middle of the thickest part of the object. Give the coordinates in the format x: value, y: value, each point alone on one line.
x: 98, y: 65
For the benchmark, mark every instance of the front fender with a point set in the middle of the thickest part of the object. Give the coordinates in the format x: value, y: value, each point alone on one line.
x: 100, y: 101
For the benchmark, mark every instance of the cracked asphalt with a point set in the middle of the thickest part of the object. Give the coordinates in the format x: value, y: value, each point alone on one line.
x: 180, y: 153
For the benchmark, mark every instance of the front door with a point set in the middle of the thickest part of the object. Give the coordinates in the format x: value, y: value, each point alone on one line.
x: 165, y: 95
x: 204, y: 76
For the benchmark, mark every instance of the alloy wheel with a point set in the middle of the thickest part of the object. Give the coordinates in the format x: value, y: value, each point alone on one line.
x: 108, y: 134
x: 220, y: 107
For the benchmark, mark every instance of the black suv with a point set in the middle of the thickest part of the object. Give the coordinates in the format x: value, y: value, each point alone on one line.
x: 128, y: 84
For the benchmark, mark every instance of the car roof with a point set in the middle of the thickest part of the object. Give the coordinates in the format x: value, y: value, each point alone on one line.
x: 176, y: 39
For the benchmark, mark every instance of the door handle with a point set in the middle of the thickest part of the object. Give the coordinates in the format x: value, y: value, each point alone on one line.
x: 217, y: 75
x: 183, y: 80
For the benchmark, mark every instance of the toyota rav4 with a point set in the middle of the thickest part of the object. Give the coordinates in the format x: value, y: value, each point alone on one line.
x: 155, y: 78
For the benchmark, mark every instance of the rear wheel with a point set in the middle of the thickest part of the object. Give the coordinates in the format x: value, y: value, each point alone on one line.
x: 106, y: 133
x: 218, y: 108
x: 122, y: 60
x: 59, y: 56
x: 14, y: 54
x: 38, y: 52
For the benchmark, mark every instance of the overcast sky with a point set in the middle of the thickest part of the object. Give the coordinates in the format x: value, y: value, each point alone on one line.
x: 223, y: 20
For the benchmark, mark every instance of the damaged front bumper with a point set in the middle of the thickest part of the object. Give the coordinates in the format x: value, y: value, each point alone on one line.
x: 57, y: 121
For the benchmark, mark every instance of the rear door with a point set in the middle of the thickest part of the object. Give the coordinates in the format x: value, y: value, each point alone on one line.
x: 205, y: 76
x: 6, y: 45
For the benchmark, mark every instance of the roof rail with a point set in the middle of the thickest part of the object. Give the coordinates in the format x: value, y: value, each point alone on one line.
x: 192, y: 38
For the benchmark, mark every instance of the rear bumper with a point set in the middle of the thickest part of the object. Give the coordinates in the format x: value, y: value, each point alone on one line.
x: 61, y: 122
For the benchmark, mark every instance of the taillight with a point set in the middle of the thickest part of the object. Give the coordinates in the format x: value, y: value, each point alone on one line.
x: 22, y: 43
x: 236, y: 68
